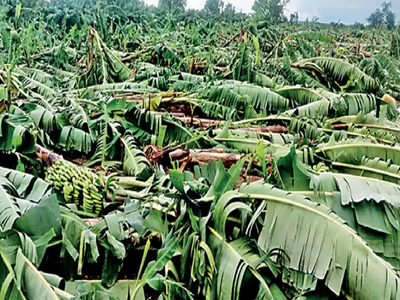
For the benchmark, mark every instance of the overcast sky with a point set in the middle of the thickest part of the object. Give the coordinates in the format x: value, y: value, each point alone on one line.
x: 348, y: 11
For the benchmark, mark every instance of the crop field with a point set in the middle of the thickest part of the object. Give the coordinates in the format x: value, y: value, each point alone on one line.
x: 156, y: 153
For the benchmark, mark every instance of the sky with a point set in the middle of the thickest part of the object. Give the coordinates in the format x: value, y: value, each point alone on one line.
x: 346, y: 11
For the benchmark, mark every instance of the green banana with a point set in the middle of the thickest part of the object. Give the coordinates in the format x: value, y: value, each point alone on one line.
x: 80, y: 186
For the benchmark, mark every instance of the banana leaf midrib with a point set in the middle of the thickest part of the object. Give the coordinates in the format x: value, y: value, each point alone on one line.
x: 355, y: 134
x: 356, y: 145
x: 269, y: 118
x: 373, y: 126
x: 365, y: 168
x: 388, y: 266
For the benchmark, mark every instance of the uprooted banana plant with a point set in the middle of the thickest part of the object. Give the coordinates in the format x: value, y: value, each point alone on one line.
x: 197, y: 159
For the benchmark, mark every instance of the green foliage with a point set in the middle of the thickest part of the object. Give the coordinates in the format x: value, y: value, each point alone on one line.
x: 271, y: 10
x: 229, y: 11
x: 384, y: 16
x: 198, y: 154
x: 172, y: 4
x: 213, y: 6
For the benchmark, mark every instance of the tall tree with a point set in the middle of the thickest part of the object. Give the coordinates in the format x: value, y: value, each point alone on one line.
x: 172, y: 4
x: 383, y: 16
x: 294, y: 18
x: 214, y: 6
x: 272, y: 10
x: 376, y: 18
x: 229, y: 11
x: 390, y: 16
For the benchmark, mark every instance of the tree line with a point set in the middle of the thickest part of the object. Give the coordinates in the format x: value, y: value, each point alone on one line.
x: 274, y: 11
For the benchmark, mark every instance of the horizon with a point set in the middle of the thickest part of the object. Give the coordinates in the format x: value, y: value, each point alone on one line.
x: 327, y: 11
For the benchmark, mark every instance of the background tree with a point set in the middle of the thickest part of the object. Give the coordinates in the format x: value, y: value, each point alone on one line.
x: 214, y: 6
x: 272, y: 10
x: 172, y: 4
x: 376, y: 18
x: 383, y: 16
x: 229, y: 11
x: 390, y: 16
x: 294, y: 18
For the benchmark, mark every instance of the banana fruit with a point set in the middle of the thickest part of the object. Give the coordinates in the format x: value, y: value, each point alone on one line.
x: 80, y: 186
x: 321, y: 168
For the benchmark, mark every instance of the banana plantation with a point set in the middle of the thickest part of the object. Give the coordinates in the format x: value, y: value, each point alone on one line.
x: 150, y: 154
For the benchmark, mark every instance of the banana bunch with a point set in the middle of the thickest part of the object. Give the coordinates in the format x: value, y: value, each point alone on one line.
x: 321, y: 168
x: 80, y: 186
